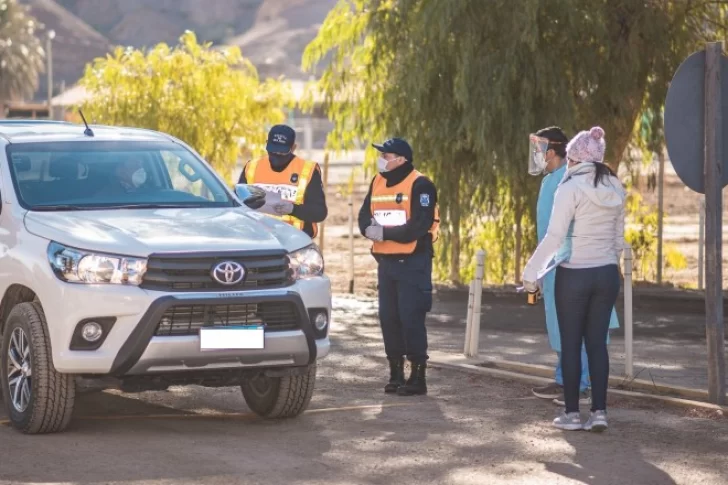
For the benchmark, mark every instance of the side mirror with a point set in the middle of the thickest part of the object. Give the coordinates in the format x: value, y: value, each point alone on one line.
x: 250, y: 195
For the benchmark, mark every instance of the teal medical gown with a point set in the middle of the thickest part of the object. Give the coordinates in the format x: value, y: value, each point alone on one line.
x: 543, y: 213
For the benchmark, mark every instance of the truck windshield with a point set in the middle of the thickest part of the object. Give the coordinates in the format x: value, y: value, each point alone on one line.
x: 86, y: 175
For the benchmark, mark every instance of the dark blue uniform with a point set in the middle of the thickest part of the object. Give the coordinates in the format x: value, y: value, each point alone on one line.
x: 405, y: 280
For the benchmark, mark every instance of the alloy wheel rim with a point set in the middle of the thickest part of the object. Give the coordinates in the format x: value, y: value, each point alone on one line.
x: 20, y: 370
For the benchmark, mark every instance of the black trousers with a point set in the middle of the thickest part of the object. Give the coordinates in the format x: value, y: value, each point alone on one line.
x: 405, y: 298
x: 584, y: 302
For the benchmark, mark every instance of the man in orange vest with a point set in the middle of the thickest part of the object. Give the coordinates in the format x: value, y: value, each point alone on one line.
x: 299, y: 183
x: 400, y: 217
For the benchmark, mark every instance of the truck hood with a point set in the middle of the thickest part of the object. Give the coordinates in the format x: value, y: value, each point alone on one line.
x: 141, y: 232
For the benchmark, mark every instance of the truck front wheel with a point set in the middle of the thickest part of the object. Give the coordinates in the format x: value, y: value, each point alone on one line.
x: 37, y: 398
x: 280, y: 397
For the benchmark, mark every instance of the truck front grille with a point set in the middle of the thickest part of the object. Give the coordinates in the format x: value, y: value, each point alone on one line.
x: 188, y: 319
x: 195, y: 273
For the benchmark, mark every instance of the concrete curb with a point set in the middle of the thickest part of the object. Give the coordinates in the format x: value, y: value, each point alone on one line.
x: 647, y: 293
x: 536, y: 376
x: 617, y: 382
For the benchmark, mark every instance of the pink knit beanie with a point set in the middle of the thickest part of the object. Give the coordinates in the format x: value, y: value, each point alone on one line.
x: 587, y: 146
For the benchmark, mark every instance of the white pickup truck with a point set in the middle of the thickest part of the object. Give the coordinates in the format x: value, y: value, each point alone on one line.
x: 126, y: 262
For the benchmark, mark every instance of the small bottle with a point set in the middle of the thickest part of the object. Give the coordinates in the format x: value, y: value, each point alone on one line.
x: 533, y: 297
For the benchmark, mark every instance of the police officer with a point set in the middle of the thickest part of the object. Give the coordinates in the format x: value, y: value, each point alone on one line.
x: 400, y: 217
x: 299, y: 183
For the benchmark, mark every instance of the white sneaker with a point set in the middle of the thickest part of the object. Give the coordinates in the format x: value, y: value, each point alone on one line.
x: 597, y: 422
x: 568, y: 421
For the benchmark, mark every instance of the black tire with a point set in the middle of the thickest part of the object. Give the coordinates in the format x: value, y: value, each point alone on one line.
x: 50, y: 404
x: 280, y: 397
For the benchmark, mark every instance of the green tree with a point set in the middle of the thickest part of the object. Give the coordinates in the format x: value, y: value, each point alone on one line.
x: 211, y: 99
x: 21, y: 53
x: 466, y: 82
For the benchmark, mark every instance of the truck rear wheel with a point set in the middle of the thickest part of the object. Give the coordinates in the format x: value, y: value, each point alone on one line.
x: 280, y: 397
x: 37, y: 398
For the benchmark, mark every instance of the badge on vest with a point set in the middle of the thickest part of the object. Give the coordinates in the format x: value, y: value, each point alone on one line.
x: 399, y: 198
x: 390, y: 218
x: 294, y: 178
x: 425, y: 200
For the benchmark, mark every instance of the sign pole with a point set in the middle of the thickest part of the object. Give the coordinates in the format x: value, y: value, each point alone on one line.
x: 660, y: 212
x: 713, y: 224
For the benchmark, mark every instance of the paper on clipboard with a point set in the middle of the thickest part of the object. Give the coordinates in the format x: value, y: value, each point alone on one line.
x: 271, y: 199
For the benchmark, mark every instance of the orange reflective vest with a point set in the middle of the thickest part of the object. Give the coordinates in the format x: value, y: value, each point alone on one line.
x: 290, y: 183
x: 391, y: 206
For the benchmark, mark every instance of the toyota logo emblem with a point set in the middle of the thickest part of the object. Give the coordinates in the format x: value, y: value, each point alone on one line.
x: 228, y: 273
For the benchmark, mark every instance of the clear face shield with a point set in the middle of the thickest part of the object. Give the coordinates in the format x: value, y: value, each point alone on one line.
x: 537, y: 154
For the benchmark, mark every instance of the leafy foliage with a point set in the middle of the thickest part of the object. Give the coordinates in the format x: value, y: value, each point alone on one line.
x: 21, y: 53
x: 211, y: 99
x: 466, y: 83
x: 641, y: 234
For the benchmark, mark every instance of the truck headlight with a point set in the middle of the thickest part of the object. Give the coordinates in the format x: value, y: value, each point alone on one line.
x: 306, y: 263
x: 78, y: 266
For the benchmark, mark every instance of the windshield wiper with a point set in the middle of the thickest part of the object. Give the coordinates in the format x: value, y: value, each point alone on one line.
x: 59, y: 207
x: 149, y: 206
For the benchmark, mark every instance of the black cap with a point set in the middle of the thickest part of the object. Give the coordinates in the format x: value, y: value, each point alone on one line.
x: 397, y: 146
x: 281, y: 139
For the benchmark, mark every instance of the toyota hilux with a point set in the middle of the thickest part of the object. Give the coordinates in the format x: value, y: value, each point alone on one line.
x: 127, y: 263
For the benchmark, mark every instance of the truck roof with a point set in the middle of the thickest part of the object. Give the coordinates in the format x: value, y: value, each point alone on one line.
x: 29, y: 131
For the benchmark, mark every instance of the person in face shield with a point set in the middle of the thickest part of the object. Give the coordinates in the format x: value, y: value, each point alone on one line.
x: 400, y: 217
x: 548, y: 156
x: 299, y: 182
x: 589, y: 211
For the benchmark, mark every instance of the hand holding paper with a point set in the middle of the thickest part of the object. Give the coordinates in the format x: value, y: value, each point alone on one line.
x: 271, y: 200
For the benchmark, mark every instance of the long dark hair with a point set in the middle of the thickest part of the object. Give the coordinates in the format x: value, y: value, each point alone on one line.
x: 602, y: 173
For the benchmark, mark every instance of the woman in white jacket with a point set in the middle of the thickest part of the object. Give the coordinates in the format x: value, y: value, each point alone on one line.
x: 590, y: 200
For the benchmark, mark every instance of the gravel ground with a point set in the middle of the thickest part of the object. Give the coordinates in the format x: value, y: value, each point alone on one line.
x: 468, y: 430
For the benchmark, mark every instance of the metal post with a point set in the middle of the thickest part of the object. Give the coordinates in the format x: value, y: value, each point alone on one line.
x: 660, y: 212
x: 351, y: 242
x: 701, y: 246
x: 715, y: 332
x: 469, y: 318
x: 308, y: 136
x: 477, y: 295
x: 322, y: 226
x: 49, y: 59
x: 628, y: 329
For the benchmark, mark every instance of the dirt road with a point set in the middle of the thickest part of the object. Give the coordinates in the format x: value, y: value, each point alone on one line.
x: 469, y: 430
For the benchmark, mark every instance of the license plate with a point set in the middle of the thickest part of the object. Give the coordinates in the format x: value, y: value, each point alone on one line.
x: 232, y: 338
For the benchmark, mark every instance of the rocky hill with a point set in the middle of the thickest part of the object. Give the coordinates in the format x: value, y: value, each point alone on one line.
x: 272, y: 33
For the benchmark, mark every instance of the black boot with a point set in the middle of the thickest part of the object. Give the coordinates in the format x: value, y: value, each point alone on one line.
x: 416, y: 384
x: 396, y: 375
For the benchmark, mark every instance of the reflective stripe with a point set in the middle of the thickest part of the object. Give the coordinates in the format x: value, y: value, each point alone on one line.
x: 389, y: 198
x: 289, y: 219
x: 250, y: 172
x: 303, y: 180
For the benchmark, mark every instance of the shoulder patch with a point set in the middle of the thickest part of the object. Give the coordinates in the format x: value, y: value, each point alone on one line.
x: 425, y: 200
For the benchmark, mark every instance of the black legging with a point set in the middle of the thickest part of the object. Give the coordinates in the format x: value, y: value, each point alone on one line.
x: 584, y: 302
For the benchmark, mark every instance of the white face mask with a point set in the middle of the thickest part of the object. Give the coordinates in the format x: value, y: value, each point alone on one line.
x: 139, y: 177
x: 382, y: 164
